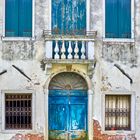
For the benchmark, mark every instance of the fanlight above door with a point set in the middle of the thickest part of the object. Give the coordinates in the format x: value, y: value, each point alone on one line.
x: 68, y: 81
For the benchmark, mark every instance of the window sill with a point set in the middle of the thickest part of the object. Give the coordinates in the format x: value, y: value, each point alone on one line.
x: 17, y: 38
x: 116, y: 132
x: 120, y: 40
x: 18, y: 131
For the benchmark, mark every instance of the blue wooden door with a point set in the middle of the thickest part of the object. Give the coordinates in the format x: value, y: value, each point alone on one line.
x: 67, y: 115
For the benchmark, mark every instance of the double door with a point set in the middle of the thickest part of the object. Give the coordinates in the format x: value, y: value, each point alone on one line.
x: 67, y: 117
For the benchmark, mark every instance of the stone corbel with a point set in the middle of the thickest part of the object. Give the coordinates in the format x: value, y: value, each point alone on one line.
x: 91, y: 68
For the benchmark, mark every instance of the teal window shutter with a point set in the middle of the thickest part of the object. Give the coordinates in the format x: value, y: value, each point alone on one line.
x: 124, y: 18
x: 57, y: 16
x: 25, y: 18
x: 68, y: 16
x: 118, y: 19
x: 18, y: 18
x: 111, y: 16
x: 11, y: 18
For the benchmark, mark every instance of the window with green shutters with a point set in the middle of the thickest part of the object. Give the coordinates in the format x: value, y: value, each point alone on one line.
x: 118, y: 18
x: 18, y: 18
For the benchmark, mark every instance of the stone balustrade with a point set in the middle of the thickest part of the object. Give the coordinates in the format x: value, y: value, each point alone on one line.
x: 69, y: 46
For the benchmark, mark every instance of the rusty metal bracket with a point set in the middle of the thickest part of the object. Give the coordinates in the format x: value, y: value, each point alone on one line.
x: 123, y: 72
x: 21, y: 72
x: 4, y: 71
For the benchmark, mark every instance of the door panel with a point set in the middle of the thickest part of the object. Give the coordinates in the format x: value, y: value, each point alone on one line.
x: 67, y: 117
x: 58, y: 115
x: 78, y: 117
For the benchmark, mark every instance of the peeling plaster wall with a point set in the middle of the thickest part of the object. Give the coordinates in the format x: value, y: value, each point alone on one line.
x: 28, y: 54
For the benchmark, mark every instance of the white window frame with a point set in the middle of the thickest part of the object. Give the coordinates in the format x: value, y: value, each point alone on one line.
x: 132, y: 26
x: 3, y: 110
x: 4, y: 38
x: 133, y: 112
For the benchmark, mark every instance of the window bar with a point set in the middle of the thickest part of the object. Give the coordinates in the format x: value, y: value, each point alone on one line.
x: 31, y: 112
x: 16, y: 114
x: 12, y: 113
x: 24, y: 113
x: 116, y: 113
x: 111, y: 125
x: 125, y: 113
x: 27, y: 115
x: 20, y: 113
x: 119, y: 119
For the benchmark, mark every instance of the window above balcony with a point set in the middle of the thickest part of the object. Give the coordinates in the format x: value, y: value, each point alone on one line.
x: 68, y: 17
x: 68, y: 37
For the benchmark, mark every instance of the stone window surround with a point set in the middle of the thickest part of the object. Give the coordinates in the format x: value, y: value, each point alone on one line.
x: 133, y: 105
x: 4, y: 38
x: 3, y: 92
x: 132, y: 26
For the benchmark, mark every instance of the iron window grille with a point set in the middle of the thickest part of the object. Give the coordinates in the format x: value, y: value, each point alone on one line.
x: 18, y: 111
x: 117, y: 112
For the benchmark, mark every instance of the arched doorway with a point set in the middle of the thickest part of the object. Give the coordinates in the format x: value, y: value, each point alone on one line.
x: 68, y: 107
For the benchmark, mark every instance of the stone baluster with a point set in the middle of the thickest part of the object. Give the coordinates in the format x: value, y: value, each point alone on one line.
x: 56, y: 50
x: 70, y: 51
x: 83, y: 50
x: 76, y: 50
x: 63, y: 50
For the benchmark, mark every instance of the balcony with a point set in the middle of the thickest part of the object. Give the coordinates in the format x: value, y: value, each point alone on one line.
x: 69, y: 46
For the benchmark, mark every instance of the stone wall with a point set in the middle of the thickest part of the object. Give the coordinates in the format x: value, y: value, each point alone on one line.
x: 123, y: 52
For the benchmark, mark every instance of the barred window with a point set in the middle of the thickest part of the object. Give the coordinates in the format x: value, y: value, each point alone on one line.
x: 18, y: 111
x: 117, y: 112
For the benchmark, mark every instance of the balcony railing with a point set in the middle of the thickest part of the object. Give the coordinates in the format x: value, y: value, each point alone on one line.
x: 70, y: 45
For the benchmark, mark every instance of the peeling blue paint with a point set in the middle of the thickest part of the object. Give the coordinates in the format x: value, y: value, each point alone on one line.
x: 68, y: 115
x: 69, y: 16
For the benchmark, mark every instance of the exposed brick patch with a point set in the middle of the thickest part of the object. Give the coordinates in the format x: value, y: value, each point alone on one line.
x: 99, y: 136
x: 28, y: 137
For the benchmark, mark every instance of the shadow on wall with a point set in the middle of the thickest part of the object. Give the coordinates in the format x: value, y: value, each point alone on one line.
x: 28, y: 137
x: 99, y: 136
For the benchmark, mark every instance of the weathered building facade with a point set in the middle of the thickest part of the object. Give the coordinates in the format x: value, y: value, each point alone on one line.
x: 69, y: 69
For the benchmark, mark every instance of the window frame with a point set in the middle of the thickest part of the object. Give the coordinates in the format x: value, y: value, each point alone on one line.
x: 132, y: 26
x: 3, y: 129
x: 16, y: 38
x: 132, y: 114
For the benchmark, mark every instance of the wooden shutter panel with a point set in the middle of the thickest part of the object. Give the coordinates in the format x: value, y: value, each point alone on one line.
x: 57, y: 16
x: 68, y: 16
x: 124, y: 18
x: 79, y: 16
x: 111, y: 15
x: 11, y: 18
x: 25, y: 18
